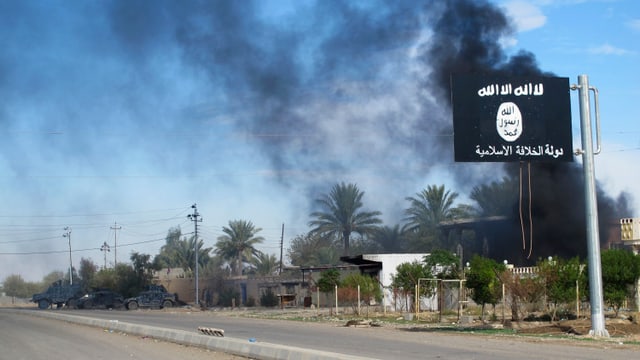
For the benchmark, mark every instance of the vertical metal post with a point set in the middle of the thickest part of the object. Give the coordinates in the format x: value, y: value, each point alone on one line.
x: 105, y: 248
x: 591, y: 209
x: 358, y: 300
x: 281, y: 246
x: 68, y: 235
x: 195, y: 217
x: 115, y: 229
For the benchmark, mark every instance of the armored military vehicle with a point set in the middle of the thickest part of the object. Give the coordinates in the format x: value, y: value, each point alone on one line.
x: 101, y: 299
x: 59, y: 294
x: 155, y: 297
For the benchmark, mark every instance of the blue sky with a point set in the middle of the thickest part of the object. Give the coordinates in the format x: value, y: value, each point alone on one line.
x: 599, y: 39
x: 121, y: 114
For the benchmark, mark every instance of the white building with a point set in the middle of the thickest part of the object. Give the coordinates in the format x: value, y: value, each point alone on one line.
x: 383, y: 267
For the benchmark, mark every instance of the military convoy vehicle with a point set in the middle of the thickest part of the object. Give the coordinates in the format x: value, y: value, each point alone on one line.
x: 155, y: 297
x: 101, y: 299
x: 59, y: 294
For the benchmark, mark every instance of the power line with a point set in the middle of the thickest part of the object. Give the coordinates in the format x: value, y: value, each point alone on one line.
x: 89, y: 215
x: 77, y: 250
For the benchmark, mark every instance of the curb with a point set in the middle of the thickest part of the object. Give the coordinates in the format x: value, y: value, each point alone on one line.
x: 254, y: 350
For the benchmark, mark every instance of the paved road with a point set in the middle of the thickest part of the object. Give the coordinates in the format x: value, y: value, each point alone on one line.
x: 35, y: 338
x: 380, y: 343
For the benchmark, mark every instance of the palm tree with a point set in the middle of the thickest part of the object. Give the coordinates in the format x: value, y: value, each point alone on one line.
x: 496, y: 198
x: 390, y: 239
x: 238, y: 244
x: 429, y: 208
x: 342, y: 215
x: 185, y: 254
x: 265, y: 264
x: 167, y: 256
x: 325, y: 256
x: 180, y: 253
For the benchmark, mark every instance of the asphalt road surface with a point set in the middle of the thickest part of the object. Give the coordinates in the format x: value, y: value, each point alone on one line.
x: 374, y: 343
x: 34, y: 338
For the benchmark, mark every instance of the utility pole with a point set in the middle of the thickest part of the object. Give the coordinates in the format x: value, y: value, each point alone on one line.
x: 281, y: 246
x: 195, y: 217
x: 67, y: 234
x: 115, y: 229
x: 105, y: 248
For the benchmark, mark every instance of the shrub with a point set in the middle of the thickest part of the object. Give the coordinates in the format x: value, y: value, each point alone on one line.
x: 269, y: 298
x: 227, y: 296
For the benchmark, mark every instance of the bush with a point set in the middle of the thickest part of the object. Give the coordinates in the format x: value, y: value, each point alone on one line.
x: 227, y: 295
x: 269, y: 298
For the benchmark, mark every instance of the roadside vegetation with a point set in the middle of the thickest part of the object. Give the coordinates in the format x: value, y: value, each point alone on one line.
x: 342, y: 225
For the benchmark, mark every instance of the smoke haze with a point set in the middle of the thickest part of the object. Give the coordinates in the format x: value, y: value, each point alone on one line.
x: 252, y: 108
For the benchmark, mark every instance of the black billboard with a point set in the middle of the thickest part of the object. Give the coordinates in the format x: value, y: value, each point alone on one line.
x: 503, y: 119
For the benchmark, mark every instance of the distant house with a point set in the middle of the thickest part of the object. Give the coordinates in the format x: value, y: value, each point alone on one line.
x: 297, y: 285
x: 383, y: 267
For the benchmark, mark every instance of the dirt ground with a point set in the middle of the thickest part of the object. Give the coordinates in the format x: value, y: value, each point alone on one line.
x: 618, y: 328
x: 623, y: 328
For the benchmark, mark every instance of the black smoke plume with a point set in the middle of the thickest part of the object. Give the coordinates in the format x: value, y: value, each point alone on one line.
x: 359, y: 92
x: 466, y: 40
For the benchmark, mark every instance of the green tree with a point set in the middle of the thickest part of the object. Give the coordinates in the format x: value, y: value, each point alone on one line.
x: 496, y: 198
x: 620, y: 272
x: 217, y: 266
x: 52, y: 277
x: 238, y: 244
x: 265, y: 264
x: 362, y: 245
x: 329, y: 279
x: 407, y: 277
x: 86, y: 273
x: 368, y: 286
x: 484, y: 281
x: 127, y: 280
x: 391, y: 239
x: 522, y: 289
x: 15, y: 285
x: 106, y: 278
x: 181, y: 253
x: 141, y: 273
x: 312, y: 250
x: 268, y: 298
x: 444, y: 264
x: 427, y: 209
x: 167, y: 257
x: 326, y: 256
x: 342, y: 215
x: 559, y: 278
x: 185, y: 255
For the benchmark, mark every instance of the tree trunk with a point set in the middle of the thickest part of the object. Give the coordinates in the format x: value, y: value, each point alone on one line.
x: 345, y: 236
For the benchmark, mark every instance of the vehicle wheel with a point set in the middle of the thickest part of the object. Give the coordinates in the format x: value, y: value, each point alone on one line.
x: 132, y: 305
x: 167, y: 304
x: 43, y: 304
x: 72, y: 304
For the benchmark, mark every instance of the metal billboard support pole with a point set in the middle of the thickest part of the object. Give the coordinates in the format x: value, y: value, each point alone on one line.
x: 591, y: 204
